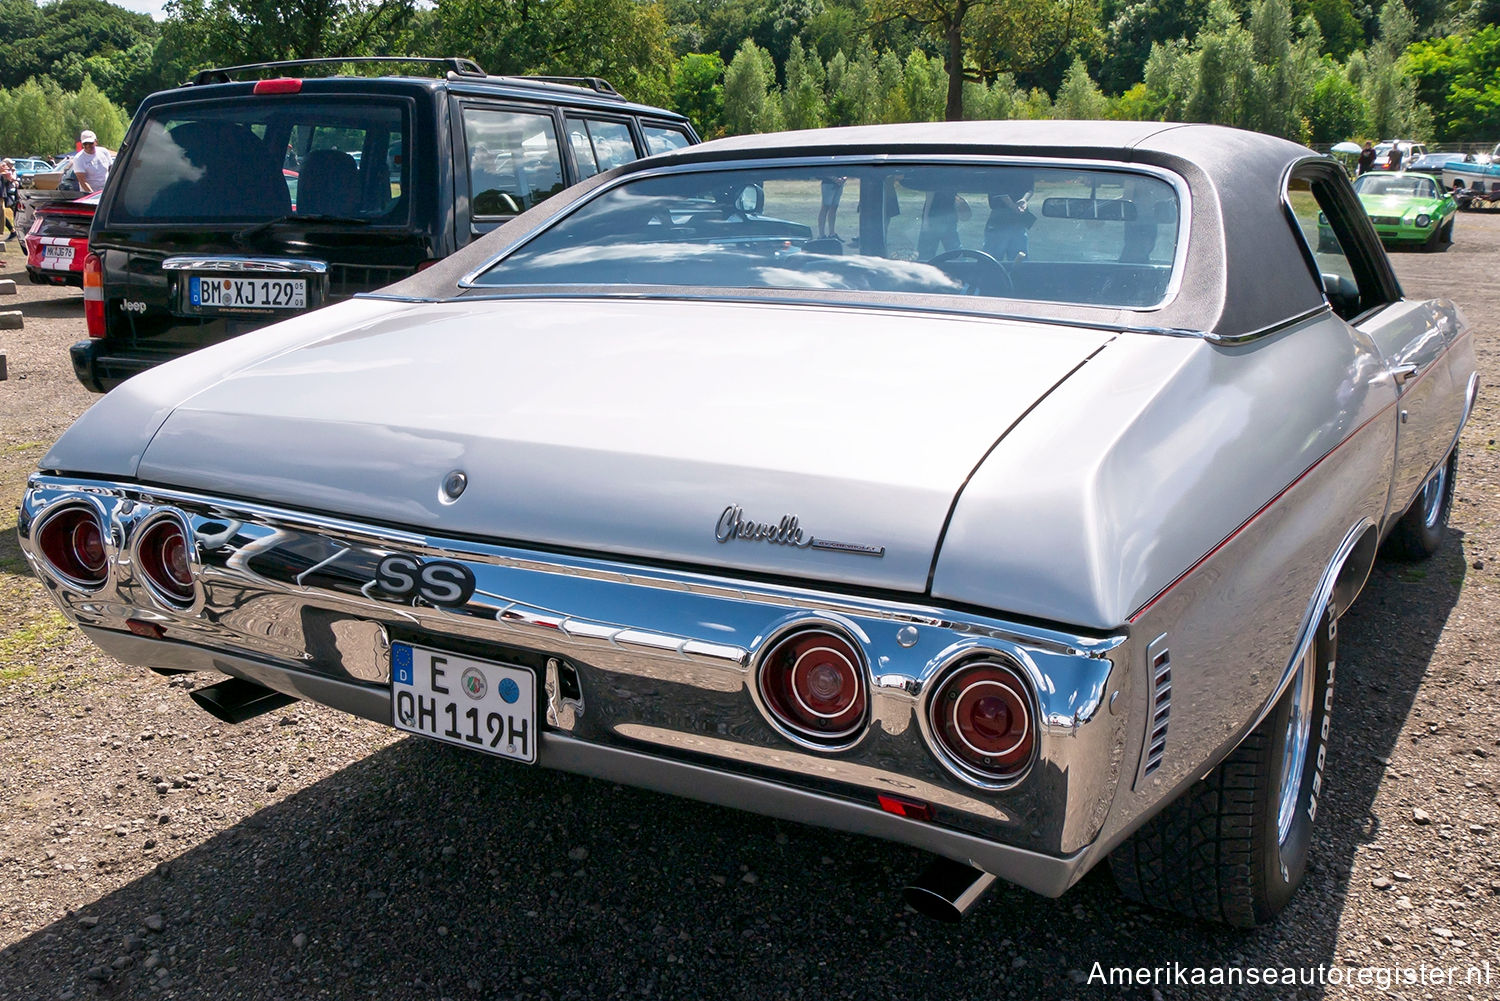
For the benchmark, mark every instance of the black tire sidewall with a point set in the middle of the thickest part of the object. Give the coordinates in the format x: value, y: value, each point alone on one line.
x: 1280, y: 868
x: 1430, y: 538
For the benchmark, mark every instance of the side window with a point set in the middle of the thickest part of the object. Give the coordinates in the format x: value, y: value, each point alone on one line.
x: 1330, y: 224
x: 662, y: 139
x: 599, y: 145
x: 514, y: 160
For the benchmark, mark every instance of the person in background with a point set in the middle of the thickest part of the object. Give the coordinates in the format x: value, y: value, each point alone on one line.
x: 1005, y: 231
x: 1395, y: 161
x: 93, y: 164
x: 10, y: 196
x: 1367, y: 158
x: 828, y: 213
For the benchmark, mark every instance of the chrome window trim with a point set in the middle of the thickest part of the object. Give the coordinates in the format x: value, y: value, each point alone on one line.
x: 1178, y: 184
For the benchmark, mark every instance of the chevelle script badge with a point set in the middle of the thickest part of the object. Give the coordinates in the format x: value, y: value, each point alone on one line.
x: 787, y: 532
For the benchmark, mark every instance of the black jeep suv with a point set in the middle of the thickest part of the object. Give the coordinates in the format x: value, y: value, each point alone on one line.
x: 233, y: 204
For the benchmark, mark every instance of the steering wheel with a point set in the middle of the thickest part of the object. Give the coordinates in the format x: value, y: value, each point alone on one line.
x: 980, y: 272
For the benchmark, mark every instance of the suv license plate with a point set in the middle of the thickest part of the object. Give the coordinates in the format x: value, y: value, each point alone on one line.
x: 206, y: 292
x: 472, y: 703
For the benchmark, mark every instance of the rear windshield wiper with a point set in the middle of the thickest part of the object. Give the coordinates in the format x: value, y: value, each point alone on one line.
x: 282, y: 220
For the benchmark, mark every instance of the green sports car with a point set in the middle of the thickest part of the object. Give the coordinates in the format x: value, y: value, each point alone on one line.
x: 1408, y: 208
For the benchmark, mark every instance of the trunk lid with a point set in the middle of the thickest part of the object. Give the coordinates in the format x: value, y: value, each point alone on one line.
x: 645, y: 429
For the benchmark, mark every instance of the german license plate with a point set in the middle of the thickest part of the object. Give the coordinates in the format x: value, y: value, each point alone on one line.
x: 472, y: 703
x: 57, y: 255
x: 206, y: 292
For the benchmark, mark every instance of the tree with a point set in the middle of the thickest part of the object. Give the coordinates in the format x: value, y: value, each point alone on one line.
x: 1459, y: 77
x: 225, y: 32
x: 802, y: 102
x: 1390, y: 94
x: 1079, y: 97
x: 923, y: 87
x: 982, y: 38
x: 68, y: 40
x: 39, y: 117
x: 750, y: 101
x: 698, y: 91
x: 1341, y: 30
x: 623, y: 41
x: 1140, y: 25
x: 88, y: 108
x: 1336, y: 111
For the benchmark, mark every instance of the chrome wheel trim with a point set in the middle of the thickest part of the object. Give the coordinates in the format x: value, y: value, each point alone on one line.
x: 1294, y: 748
x: 1432, y: 496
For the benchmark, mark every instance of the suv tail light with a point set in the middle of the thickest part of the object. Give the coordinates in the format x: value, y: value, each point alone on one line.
x: 162, y: 554
x: 813, y: 683
x: 93, y: 294
x: 280, y: 85
x: 72, y: 543
x: 982, y: 716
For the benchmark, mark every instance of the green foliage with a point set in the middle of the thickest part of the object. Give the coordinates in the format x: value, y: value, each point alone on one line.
x: 1341, y: 30
x: 72, y: 39
x: 698, y: 91
x: 924, y: 87
x: 1337, y: 111
x: 1140, y: 25
x: 1390, y: 94
x: 803, y: 104
x: 981, y: 38
x: 1459, y: 76
x: 39, y: 117
x: 1079, y: 97
x: 624, y: 41
x: 751, y: 100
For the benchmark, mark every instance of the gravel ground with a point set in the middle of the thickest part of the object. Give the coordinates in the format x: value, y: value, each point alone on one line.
x: 148, y: 851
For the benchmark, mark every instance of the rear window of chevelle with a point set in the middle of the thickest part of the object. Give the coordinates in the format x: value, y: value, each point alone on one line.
x: 1084, y: 235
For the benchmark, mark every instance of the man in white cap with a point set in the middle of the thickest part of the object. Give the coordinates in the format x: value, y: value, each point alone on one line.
x: 92, y: 165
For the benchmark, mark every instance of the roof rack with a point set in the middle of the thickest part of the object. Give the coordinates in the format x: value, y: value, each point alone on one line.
x: 453, y: 64
x: 594, y: 83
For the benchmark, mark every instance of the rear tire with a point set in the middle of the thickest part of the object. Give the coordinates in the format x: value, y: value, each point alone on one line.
x: 1234, y: 847
x: 1422, y: 529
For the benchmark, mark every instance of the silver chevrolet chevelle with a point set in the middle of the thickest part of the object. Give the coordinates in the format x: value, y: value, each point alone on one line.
x: 994, y: 488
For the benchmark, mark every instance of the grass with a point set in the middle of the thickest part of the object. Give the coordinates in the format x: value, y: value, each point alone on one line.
x: 22, y: 648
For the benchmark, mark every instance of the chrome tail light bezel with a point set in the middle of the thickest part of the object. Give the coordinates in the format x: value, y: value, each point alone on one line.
x: 935, y: 700
x: 186, y: 597
x: 47, y: 522
x: 840, y: 736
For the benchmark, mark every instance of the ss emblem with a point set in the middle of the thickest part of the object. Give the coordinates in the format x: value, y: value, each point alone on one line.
x: 437, y: 582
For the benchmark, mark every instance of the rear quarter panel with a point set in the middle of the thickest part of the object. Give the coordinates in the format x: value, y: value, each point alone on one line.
x: 1191, y: 491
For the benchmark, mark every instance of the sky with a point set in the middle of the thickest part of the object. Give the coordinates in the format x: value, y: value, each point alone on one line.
x: 153, y: 7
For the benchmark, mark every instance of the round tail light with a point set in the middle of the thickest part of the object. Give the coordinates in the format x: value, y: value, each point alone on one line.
x: 72, y: 544
x: 163, y: 557
x: 813, y: 683
x: 981, y: 715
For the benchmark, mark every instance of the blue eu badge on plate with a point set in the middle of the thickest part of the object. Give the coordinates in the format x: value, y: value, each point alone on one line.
x: 401, y: 663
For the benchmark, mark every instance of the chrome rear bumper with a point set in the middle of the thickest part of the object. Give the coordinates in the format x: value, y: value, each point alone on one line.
x: 1045, y: 874
x: 665, y: 660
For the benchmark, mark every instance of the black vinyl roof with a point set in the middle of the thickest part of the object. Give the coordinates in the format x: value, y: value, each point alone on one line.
x: 1245, y: 268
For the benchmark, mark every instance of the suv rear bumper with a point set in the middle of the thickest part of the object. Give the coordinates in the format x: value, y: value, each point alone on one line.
x: 100, y: 371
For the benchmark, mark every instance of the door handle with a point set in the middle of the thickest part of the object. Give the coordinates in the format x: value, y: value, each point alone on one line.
x: 1404, y: 374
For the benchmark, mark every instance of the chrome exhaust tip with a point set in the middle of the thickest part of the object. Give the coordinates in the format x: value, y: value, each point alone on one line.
x: 946, y: 890
x: 234, y: 700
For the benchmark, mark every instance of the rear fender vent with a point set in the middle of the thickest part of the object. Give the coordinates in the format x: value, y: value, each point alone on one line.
x: 1159, y: 708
